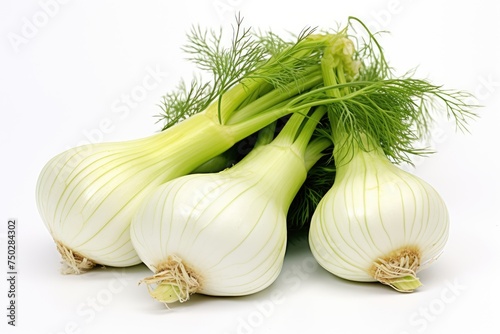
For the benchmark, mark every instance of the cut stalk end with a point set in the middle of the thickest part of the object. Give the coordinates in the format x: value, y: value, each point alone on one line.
x: 173, y: 282
x: 405, y: 284
x: 398, y: 269
x: 73, y: 263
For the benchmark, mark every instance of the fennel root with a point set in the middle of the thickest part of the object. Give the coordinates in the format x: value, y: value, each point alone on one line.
x: 398, y: 269
x: 174, y: 281
x: 73, y: 263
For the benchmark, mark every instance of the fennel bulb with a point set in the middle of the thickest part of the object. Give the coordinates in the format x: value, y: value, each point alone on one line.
x: 378, y: 223
x: 224, y: 234
x: 86, y: 196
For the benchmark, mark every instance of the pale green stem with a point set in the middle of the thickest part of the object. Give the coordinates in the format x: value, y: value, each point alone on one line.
x: 167, y: 293
x: 223, y: 108
x: 246, y: 128
x: 329, y: 76
x: 298, y: 134
x: 406, y: 283
x: 288, y: 134
x: 315, y: 150
x: 266, y: 135
x: 275, y: 97
x: 304, y: 137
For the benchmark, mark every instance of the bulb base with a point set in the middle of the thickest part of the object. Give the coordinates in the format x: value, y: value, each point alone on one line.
x: 174, y: 281
x: 73, y: 263
x: 398, y: 269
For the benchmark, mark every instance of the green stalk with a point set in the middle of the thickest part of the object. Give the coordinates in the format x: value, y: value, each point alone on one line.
x: 315, y: 151
x: 266, y: 135
x: 248, y: 127
x: 232, y: 99
x: 277, y: 96
x: 303, y: 139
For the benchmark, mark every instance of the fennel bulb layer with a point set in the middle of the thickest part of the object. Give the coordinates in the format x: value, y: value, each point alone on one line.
x: 378, y: 223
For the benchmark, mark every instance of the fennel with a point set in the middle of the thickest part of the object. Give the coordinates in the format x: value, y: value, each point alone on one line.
x: 378, y: 222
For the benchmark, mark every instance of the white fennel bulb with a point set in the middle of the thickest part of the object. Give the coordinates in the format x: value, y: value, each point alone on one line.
x: 378, y: 223
x: 86, y: 196
x: 224, y: 234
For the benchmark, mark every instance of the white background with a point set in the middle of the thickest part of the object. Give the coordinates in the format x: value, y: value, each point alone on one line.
x: 66, y: 68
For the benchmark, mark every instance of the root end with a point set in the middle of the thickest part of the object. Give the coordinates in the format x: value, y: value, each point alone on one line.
x: 398, y: 269
x: 174, y: 281
x: 73, y: 263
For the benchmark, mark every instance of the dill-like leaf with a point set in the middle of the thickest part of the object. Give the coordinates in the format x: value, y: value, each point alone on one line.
x: 291, y: 60
x: 184, y: 102
x: 266, y: 57
x: 226, y: 66
x: 394, y: 112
